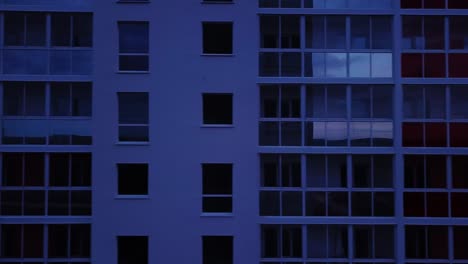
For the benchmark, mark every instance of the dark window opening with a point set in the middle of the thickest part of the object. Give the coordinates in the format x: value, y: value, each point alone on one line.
x: 217, y: 188
x: 132, y: 250
x: 132, y: 179
x: 217, y: 38
x: 217, y: 109
x: 217, y: 249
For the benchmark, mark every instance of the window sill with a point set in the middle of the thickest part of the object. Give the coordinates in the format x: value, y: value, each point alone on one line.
x: 217, y: 126
x: 217, y: 215
x: 132, y: 72
x: 132, y: 2
x: 132, y: 197
x: 218, y: 2
x: 216, y: 55
x: 132, y: 143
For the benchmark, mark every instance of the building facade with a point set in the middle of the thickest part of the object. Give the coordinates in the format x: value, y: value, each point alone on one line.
x: 234, y: 131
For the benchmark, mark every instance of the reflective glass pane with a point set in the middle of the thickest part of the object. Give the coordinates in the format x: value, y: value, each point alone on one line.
x: 382, y: 134
x: 360, y: 133
x: 336, y: 102
x: 315, y: 101
x: 336, y: 65
x: 315, y: 134
x: 359, y: 65
x: 382, y: 101
x: 133, y: 37
x: 382, y: 66
x: 412, y: 32
x: 458, y: 99
x: 435, y: 102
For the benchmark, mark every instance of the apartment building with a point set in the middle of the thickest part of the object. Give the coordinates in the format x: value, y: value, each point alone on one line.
x: 234, y: 131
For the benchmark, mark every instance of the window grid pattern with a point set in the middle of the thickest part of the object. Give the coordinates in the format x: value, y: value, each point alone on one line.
x: 431, y: 190
x: 326, y: 4
x: 39, y: 43
x: 326, y: 46
x: 321, y: 243
x: 40, y: 113
x: 434, y: 47
x: 38, y: 184
x: 327, y: 187
x: 435, y: 116
x: 326, y: 115
x: 46, y: 243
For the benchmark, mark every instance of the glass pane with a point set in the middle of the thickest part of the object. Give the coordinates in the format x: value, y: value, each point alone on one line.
x: 316, y: 241
x: 60, y: 99
x: 133, y: 133
x: 81, y: 99
x: 269, y: 134
x: 269, y: 203
x: 338, y: 204
x: 133, y: 37
x: 291, y: 133
x: 61, y: 29
x: 314, y: 64
x: 337, y: 243
x: 383, y: 171
x: 359, y: 65
x: 336, y: 171
x: 290, y: 36
x: 60, y: 62
x: 269, y: 31
x: 336, y: 101
x: 382, y: 134
x: 315, y: 102
x: 382, y: 101
x: 434, y: 32
x: 14, y: 29
x: 291, y: 203
x: 336, y: 30
x: 458, y: 32
x: 269, y: 101
x: 362, y: 177
x: 413, y: 104
x: 35, y: 29
x: 316, y: 171
x: 360, y: 133
x: 381, y: 31
x: 291, y: 64
x: 82, y: 62
x: 82, y: 30
x: 384, y: 242
x: 458, y: 99
x: 315, y: 32
x: 384, y: 204
x: 336, y: 65
x: 412, y: 33
x: 58, y: 241
x: 290, y: 102
x: 315, y: 204
x: 337, y: 134
x: 360, y: 30
x: 382, y: 66
x: 361, y: 205
x: 315, y: 134
x: 25, y: 61
x: 33, y: 243
x: 269, y: 64
x: 435, y: 101
x: 35, y: 99
x: 13, y: 96
x: 270, y: 171
x: 133, y: 108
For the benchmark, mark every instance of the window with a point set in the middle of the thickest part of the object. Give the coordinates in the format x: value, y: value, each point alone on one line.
x: 217, y: 38
x: 217, y: 188
x: 217, y: 109
x: 72, y: 242
x: 426, y: 242
x: 326, y: 179
x: 66, y: 172
x: 70, y: 99
x: 25, y: 29
x: 132, y: 179
x: 458, y: 33
x: 218, y: 249
x: 71, y: 30
x: 133, y: 117
x: 24, y: 99
x: 333, y: 116
x: 324, y: 243
x: 133, y: 46
x: 218, y: 1
x: 132, y: 250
